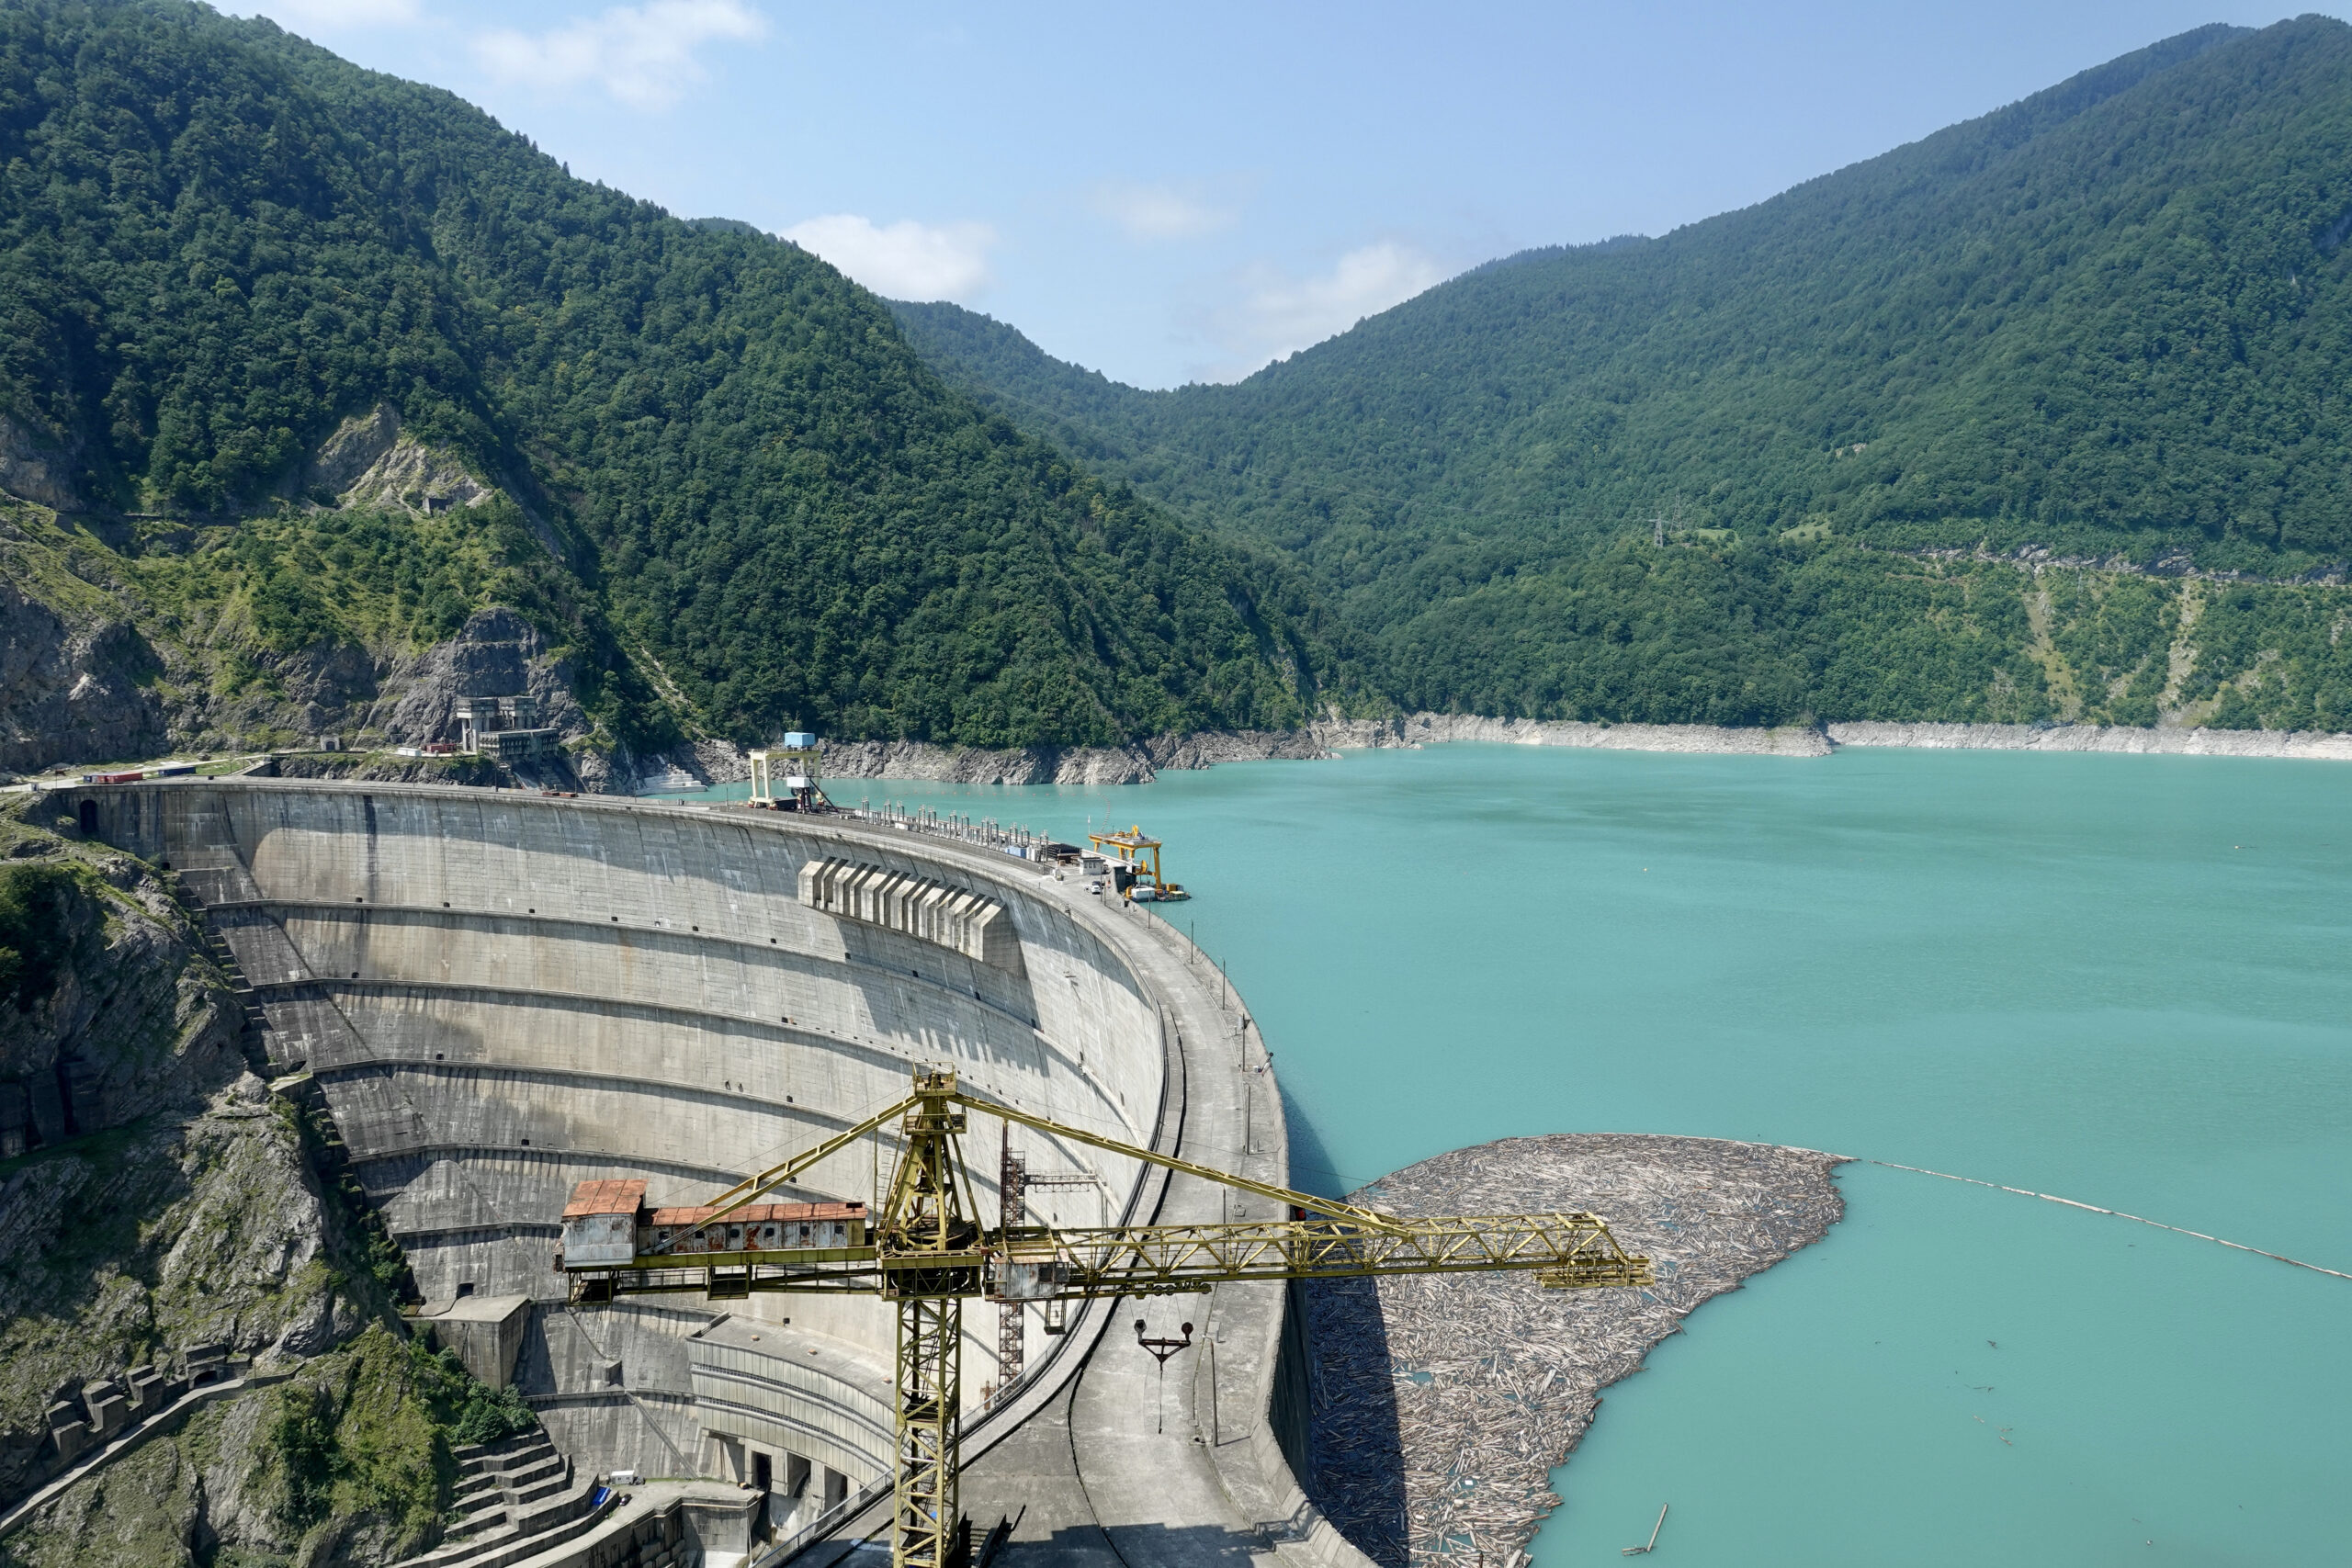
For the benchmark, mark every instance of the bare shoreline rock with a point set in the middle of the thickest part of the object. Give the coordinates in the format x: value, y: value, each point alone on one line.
x: 1437, y: 728
x: 1442, y: 1402
x: 2318, y: 744
x: 1143, y: 762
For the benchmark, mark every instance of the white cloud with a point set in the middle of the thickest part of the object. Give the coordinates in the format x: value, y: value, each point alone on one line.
x: 1161, y: 211
x: 329, y: 15
x: 644, y: 55
x: 1279, y: 314
x: 905, y: 260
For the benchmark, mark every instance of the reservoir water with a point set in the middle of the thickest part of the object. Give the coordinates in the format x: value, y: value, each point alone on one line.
x: 2122, y: 979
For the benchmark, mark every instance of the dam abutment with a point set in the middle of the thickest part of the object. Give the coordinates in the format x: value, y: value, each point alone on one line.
x: 499, y: 995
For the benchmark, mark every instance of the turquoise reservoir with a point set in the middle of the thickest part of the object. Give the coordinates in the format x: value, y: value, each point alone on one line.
x: 2121, y: 979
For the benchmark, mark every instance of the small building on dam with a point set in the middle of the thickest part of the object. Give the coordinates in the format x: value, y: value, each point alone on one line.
x: 501, y: 996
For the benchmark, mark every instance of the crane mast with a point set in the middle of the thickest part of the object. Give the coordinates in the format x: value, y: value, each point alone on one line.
x: 928, y: 1252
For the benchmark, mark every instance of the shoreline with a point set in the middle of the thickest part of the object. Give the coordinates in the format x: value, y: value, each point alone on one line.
x: 1141, y: 761
x: 712, y: 762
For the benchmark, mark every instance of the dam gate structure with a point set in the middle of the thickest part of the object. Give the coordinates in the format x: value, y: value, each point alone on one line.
x: 500, y: 996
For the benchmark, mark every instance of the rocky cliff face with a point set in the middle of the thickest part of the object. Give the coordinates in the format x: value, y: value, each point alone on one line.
x: 71, y: 689
x: 39, y: 470
x: 1136, y: 764
x: 498, y: 654
x: 81, y: 682
x: 121, y: 1014
x: 340, y: 610
x: 155, y: 1196
x: 344, y: 1465
x: 368, y: 462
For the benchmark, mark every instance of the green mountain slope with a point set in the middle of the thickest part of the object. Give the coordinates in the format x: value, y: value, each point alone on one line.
x: 2112, y: 322
x: 723, y: 474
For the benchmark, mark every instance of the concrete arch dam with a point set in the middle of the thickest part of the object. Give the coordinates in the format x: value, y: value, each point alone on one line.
x: 499, y: 995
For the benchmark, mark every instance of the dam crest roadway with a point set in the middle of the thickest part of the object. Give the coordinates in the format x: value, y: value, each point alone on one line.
x: 499, y: 995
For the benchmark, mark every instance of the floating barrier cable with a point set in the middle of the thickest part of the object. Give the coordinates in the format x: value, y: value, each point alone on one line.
x: 2118, y: 1213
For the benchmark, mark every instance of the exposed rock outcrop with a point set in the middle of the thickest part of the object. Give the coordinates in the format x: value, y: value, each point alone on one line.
x: 69, y: 694
x: 347, y: 1465
x: 1144, y: 760
x: 38, y: 473
x: 1138, y: 763
x: 2164, y: 741
x: 370, y: 462
x: 170, y: 1201
x: 497, y: 654
x: 1432, y: 728
x: 136, y: 1018
x: 166, y: 1199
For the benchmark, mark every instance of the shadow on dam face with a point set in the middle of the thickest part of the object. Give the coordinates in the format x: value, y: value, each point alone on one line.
x: 1351, y: 1382
x: 1341, y: 1362
x: 1137, y: 1546
x: 499, y: 996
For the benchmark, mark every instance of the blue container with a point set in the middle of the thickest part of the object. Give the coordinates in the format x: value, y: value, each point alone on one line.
x: 799, y: 741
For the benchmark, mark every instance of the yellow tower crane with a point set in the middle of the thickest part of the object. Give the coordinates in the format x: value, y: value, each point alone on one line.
x: 928, y: 1251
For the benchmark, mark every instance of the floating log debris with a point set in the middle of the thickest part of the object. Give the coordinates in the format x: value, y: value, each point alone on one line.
x: 1442, y: 1402
x: 1650, y: 1545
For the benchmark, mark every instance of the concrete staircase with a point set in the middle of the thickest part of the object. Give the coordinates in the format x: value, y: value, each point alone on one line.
x: 197, y: 889
x: 516, y: 1499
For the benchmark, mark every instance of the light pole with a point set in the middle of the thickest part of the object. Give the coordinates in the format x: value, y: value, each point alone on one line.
x: 1161, y: 1350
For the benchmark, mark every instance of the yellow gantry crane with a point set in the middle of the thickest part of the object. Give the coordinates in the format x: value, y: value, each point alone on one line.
x: 928, y: 1251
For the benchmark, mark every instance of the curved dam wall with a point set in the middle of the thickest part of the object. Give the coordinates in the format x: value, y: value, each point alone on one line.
x: 501, y: 994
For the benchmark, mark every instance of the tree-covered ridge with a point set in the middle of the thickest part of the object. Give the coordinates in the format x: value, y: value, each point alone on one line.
x: 2113, y: 320
x: 217, y: 241
x: 2111, y: 317
x: 1744, y: 634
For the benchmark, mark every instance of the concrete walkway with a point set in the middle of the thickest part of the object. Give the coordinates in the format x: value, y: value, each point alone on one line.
x: 647, y: 1500
x: 1163, y: 1481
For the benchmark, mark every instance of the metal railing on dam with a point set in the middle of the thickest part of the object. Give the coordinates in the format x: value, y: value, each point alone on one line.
x: 501, y: 994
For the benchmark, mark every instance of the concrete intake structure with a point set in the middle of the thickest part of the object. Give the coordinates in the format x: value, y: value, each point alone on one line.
x: 501, y: 994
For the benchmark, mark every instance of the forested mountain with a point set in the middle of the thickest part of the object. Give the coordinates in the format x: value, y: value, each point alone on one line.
x: 2112, y: 322
x: 322, y: 394
x: 705, y: 464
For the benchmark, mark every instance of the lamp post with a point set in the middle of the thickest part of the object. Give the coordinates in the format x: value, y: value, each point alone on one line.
x: 1161, y: 1350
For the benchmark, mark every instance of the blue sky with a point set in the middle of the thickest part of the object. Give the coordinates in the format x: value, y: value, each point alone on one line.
x: 1185, y: 193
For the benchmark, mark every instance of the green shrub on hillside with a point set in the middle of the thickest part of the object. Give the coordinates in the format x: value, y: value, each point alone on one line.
x: 369, y: 1431
x: 35, y: 901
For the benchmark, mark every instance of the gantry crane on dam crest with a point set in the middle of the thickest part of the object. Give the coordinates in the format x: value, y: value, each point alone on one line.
x: 928, y: 1252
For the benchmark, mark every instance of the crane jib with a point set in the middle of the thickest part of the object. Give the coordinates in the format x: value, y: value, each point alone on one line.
x: 928, y: 1252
